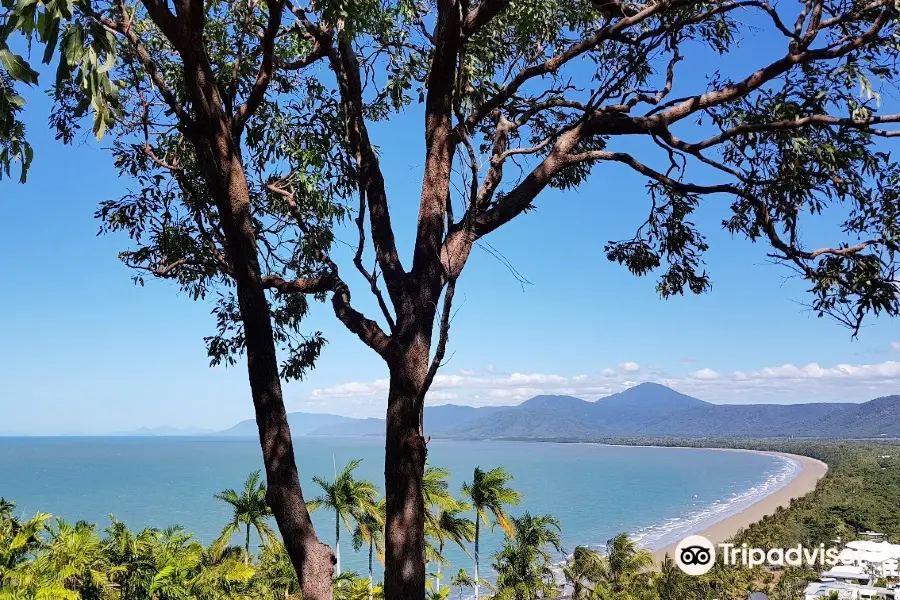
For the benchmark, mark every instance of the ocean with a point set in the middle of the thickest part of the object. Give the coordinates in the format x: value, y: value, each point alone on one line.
x: 658, y: 495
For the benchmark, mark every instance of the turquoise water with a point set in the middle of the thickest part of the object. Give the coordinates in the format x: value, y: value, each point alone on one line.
x: 656, y: 494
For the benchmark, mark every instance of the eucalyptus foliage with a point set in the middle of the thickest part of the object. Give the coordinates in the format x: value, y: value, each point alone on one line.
x: 242, y: 131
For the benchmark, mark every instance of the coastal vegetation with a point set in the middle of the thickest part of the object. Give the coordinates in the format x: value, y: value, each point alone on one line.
x: 42, y: 558
x: 242, y: 130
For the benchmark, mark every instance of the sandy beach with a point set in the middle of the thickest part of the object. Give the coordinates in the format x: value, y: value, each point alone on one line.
x: 811, y: 471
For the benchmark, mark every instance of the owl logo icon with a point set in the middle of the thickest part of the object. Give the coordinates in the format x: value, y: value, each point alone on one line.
x: 695, y: 555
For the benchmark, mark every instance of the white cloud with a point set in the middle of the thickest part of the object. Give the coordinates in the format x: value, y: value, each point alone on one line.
x: 535, y: 379
x: 781, y: 384
x: 352, y: 389
x: 705, y: 374
x: 895, y: 346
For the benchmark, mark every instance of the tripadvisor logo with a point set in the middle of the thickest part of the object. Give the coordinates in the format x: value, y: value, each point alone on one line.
x: 696, y: 555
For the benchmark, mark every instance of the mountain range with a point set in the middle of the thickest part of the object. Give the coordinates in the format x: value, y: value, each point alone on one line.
x: 645, y: 410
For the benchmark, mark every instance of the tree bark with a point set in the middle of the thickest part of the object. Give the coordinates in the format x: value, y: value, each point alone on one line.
x: 404, y: 467
x: 437, y: 573
x: 247, y: 546
x: 477, y: 532
x: 371, y: 574
x: 337, y: 542
x: 225, y: 177
x: 312, y: 559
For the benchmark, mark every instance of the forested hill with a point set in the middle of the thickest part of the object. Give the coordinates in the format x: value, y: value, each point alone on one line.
x: 646, y: 410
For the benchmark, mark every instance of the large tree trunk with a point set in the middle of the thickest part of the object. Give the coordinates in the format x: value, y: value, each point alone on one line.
x: 224, y: 175
x: 404, y: 466
x: 312, y: 559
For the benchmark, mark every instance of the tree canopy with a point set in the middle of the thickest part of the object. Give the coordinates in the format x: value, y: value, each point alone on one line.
x: 537, y: 93
x: 242, y: 129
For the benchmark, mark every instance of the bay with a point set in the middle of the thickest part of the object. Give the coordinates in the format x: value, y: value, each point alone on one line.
x: 656, y: 494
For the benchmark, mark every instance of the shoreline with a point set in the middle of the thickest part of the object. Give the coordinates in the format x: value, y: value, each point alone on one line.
x: 804, y: 482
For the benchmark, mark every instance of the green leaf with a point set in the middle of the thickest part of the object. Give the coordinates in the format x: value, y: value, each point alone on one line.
x: 107, y: 64
x: 63, y: 72
x: 26, y: 162
x: 73, y: 44
x: 23, y: 5
x: 17, y: 67
x: 51, y: 39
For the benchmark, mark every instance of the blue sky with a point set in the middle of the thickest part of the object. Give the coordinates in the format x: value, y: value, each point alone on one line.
x: 85, y: 351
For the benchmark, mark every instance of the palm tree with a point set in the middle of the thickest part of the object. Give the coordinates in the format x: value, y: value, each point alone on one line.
x: 6, y: 508
x: 348, y: 498
x: 19, y: 540
x: 436, y: 492
x: 462, y: 580
x: 275, y: 575
x: 585, y: 566
x: 489, y: 492
x: 449, y: 526
x: 24, y: 572
x: 443, y: 522
x: 250, y: 509
x: 133, y: 555
x: 625, y: 564
x: 221, y: 576
x: 350, y: 586
x: 178, y: 558
x: 671, y: 582
x: 523, y: 563
x: 370, y: 530
x: 76, y: 558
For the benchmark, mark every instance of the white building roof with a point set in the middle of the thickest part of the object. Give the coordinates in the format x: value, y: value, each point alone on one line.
x: 822, y: 589
x: 891, y: 550
x: 845, y: 570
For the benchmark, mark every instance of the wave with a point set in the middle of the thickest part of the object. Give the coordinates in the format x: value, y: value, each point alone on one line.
x: 660, y: 535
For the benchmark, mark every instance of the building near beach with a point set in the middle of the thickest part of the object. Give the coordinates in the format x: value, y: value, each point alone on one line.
x: 849, y: 574
x: 881, y: 559
x: 825, y: 587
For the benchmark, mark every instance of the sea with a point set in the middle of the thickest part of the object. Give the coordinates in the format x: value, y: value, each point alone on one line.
x: 658, y: 495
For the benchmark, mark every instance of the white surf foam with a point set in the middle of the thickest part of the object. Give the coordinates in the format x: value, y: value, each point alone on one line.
x: 660, y: 535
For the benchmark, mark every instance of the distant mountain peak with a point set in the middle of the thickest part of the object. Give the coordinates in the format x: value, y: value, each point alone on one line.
x: 645, y: 410
x: 549, y: 400
x: 650, y: 385
x: 653, y: 394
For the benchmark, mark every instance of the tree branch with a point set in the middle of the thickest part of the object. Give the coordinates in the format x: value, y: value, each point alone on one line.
x: 575, y: 50
x: 357, y: 261
x: 146, y: 60
x: 167, y: 22
x: 266, y: 70
x: 305, y: 285
x: 366, y: 329
x: 482, y: 15
x: 440, y: 147
x: 759, y: 78
x: 788, y: 124
x: 371, y: 180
